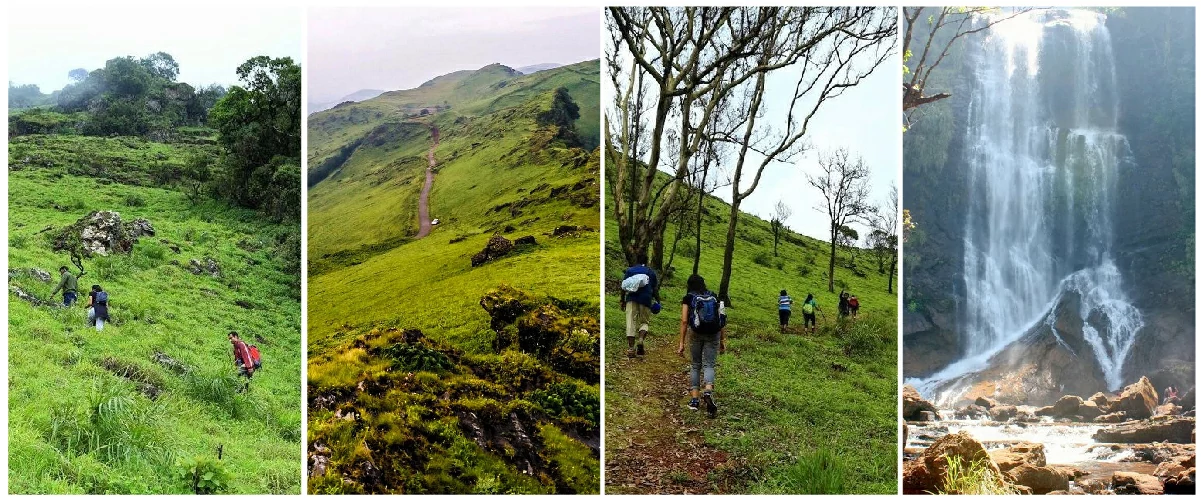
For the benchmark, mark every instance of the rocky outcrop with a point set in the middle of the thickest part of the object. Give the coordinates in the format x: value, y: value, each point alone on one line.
x: 1003, y: 412
x: 1113, y: 417
x: 1125, y: 482
x: 555, y: 332
x: 1176, y: 430
x: 35, y: 273
x: 912, y: 405
x: 927, y: 473
x: 1025, y: 464
x: 1137, y: 400
x: 208, y: 266
x: 1179, y: 474
x: 496, y: 248
x: 101, y: 233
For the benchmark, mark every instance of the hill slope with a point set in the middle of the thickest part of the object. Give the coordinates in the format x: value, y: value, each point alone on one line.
x: 788, y: 402
x: 426, y: 373
x: 97, y: 412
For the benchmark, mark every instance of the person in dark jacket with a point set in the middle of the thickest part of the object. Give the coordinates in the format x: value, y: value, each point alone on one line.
x: 68, y: 284
x: 97, y: 307
x: 637, y: 306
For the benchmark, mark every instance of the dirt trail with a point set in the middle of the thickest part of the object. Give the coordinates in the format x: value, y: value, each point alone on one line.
x: 659, y: 446
x: 423, y: 206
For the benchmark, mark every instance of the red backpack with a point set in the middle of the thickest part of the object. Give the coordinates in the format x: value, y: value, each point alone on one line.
x: 255, y: 357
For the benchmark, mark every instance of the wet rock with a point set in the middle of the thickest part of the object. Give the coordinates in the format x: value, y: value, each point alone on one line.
x: 1100, y: 400
x: 1177, y: 430
x: 928, y: 472
x: 1093, y: 486
x: 972, y: 412
x: 1137, y: 400
x: 1170, y: 409
x: 526, y: 240
x: 209, y: 266
x: 912, y: 404
x: 1040, y: 479
x: 101, y: 233
x: 986, y: 402
x: 1113, y: 417
x: 927, y: 416
x: 1125, y: 482
x: 497, y: 247
x: 1003, y: 412
x: 1089, y: 410
x: 1018, y: 454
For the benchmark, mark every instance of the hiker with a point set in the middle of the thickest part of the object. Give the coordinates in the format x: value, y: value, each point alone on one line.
x: 242, y: 358
x: 844, y: 304
x: 97, y: 307
x: 853, y: 303
x: 809, y: 310
x: 785, y: 305
x: 1170, y: 395
x: 639, y: 294
x: 704, y: 317
x: 68, y: 284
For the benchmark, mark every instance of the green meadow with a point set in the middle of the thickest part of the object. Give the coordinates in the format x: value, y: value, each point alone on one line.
x: 96, y: 412
x: 799, y: 413
x: 428, y: 374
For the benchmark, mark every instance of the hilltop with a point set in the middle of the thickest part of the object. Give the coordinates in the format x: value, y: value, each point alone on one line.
x: 500, y: 346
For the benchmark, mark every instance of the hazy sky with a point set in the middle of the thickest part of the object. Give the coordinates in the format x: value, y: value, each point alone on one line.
x: 208, y: 43
x: 388, y: 48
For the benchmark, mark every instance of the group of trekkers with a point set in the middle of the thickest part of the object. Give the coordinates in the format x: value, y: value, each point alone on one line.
x: 848, y: 306
x: 702, y: 323
x: 246, y: 357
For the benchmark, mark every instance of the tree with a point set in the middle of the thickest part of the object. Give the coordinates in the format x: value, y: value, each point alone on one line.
x: 779, y: 214
x: 161, y: 65
x: 847, y: 236
x: 843, y: 184
x: 24, y: 96
x: 77, y: 75
x: 952, y: 23
x: 682, y: 63
x: 883, y: 239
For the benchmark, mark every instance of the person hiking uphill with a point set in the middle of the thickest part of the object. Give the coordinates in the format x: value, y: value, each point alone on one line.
x: 68, y: 284
x: 844, y: 304
x: 809, y: 311
x: 639, y: 294
x: 785, y: 305
x: 242, y: 358
x: 97, y: 307
x: 853, y: 304
x: 704, y: 317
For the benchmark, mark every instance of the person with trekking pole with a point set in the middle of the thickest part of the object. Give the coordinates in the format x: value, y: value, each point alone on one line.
x: 704, y: 318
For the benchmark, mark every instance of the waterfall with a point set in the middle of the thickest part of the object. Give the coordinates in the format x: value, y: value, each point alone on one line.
x: 1042, y: 152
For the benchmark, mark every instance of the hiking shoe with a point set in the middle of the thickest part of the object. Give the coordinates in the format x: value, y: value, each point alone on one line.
x: 710, y: 406
x: 694, y: 404
x: 641, y: 350
x: 631, y: 353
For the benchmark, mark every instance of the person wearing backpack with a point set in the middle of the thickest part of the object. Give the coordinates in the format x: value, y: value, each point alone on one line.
x: 785, y: 306
x: 704, y: 317
x: 97, y: 307
x: 809, y: 310
x: 853, y: 303
x: 639, y: 293
x: 242, y: 358
x: 256, y: 357
x: 844, y: 304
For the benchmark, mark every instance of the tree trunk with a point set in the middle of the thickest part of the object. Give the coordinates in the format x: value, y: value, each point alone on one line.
x: 775, y: 246
x: 892, y: 270
x: 833, y: 249
x: 728, y: 259
x: 700, y: 214
x: 671, y: 257
x: 657, y: 251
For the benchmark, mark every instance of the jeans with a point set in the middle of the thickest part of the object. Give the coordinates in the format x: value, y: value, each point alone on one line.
x: 93, y: 319
x: 69, y: 298
x: 704, y: 358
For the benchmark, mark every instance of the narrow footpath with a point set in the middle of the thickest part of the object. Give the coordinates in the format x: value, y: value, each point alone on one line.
x: 423, y: 206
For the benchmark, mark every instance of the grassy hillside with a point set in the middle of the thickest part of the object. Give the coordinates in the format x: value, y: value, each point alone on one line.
x: 798, y: 413
x: 94, y: 412
x: 427, y: 374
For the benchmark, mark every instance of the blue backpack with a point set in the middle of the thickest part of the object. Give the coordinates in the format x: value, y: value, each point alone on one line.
x: 706, y: 314
x: 102, y: 297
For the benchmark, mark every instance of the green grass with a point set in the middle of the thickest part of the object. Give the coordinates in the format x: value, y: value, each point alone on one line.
x: 79, y: 421
x: 784, y: 397
x: 372, y: 286
x: 973, y: 479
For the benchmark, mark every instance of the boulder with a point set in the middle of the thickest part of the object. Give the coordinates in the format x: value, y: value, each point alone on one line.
x: 101, y: 233
x: 1125, y: 482
x: 566, y: 229
x: 928, y: 472
x: 1089, y: 410
x: 526, y: 240
x: 1018, y: 454
x: 1093, y: 486
x: 25, y: 296
x: 1040, y: 479
x: 1003, y: 412
x: 208, y: 266
x: 1188, y: 402
x: 497, y: 247
x: 1184, y: 482
x: 972, y: 412
x: 1113, y: 417
x: 986, y: 402
x: 1068, y: 405
x: 1177, y: 430
x: 1100, y: 399
x: 912, y: 404
x: 1137, y: 400
x: 1170, y: 409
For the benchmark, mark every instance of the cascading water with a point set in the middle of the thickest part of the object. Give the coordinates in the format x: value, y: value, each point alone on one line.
x: 1043, y: 153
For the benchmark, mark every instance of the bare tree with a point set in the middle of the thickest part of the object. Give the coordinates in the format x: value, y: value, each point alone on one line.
x: 779, y: 214
x: 683, y: 63
x: 884, y: 240
x: 953, y: 23
x: 843, y: 183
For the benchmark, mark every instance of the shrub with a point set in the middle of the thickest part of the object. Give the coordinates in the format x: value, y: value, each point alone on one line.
x: 820, y: 472
x: 204, y: 475
x: 975, y: 478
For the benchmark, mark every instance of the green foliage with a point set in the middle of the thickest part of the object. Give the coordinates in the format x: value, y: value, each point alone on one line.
x: 25, y: 96
x: 204, y: 475
x: 563, y: 113
x: 414, y: 358
x: 973, y: 479
x: 819, y: 472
